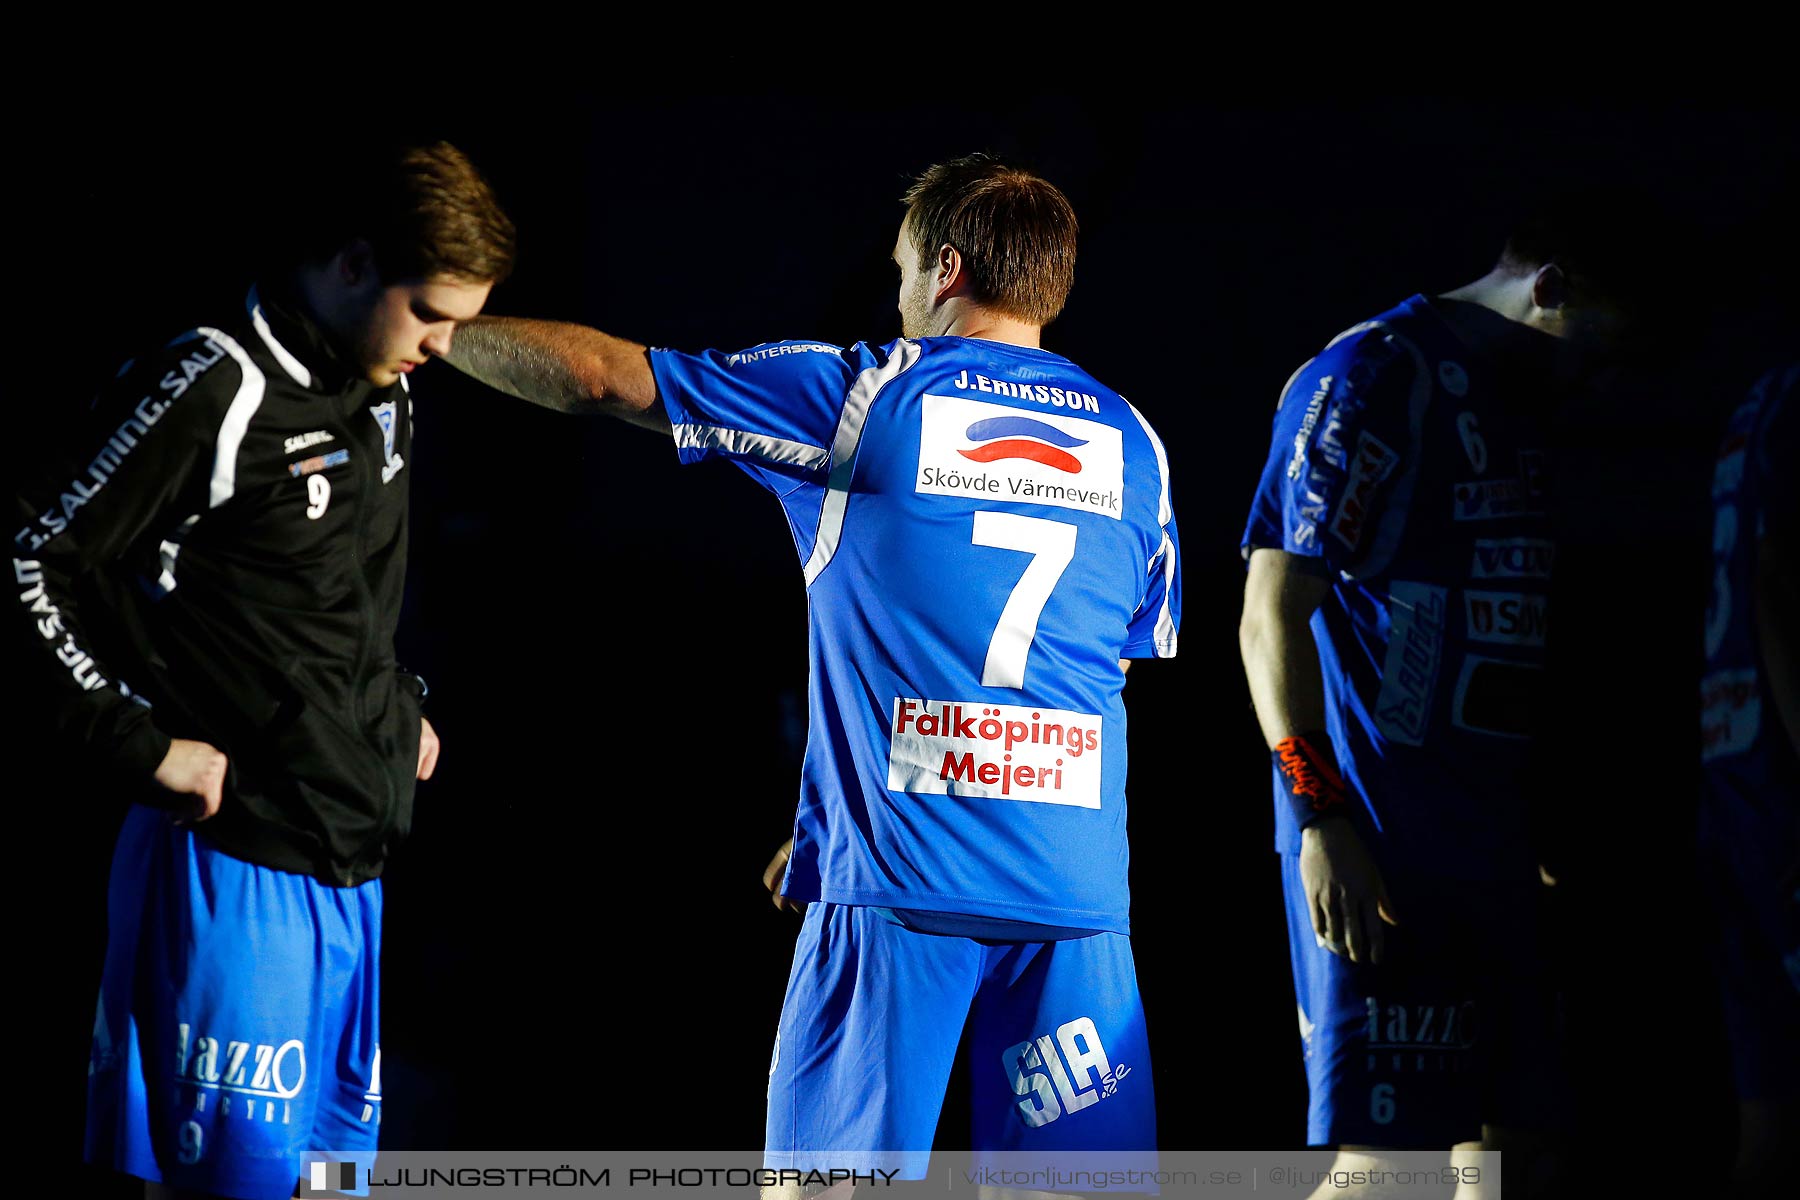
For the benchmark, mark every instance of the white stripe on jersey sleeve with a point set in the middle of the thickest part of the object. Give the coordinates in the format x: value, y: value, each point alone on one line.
x: 1164, y: 632
x: 237, y: 417
x: 843, y: 451
x: 758, y: 445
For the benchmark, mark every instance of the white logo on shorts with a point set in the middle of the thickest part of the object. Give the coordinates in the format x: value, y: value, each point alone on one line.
x: 1064, y: 1074
x: 243, y: 1080
x: 372, y: 1098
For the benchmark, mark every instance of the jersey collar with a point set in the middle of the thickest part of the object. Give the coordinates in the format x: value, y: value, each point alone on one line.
x: 296, y: 341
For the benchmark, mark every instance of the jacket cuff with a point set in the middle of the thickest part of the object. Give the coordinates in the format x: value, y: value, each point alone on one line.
x: 143, y: 750
x: 414, y: 686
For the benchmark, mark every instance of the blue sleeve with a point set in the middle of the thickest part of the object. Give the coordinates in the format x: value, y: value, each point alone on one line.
x: 1158, y: 620
x: 772, y: 409
x: 1340, y: 432
x: 1153, y: 628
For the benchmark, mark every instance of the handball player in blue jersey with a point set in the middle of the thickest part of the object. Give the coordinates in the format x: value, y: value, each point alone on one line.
x: 1750, y: 756
x: 1393, y: 633
x: 959, y: 846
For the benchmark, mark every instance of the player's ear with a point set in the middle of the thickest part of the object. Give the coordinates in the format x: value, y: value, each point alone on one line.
x: 1550, y: 287
x: 356, y: 263
x: 949, y: 270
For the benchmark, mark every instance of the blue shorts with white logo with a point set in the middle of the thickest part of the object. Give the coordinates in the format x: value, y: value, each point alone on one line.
x: 874, y: 1012
x: 1456, y: 1027
x: 237, y: 1023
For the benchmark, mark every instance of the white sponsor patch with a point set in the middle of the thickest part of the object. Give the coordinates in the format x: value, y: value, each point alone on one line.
x: 1730, y: 713
x: 1019, y: 456
x: 1297, y: 464
x: 1409, y: 671
x: 767, y: 352
x: 1509, y: 618
x: 1492, y: 499
x: 301, y: 441
x: 995, y: 751
x: 1373, y: 463
x: 1513, y: 558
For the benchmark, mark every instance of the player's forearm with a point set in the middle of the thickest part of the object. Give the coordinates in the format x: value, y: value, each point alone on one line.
x: 570, y: 368
x: 1287, y: 686
x: 82, y: 698
x: 1281, y: 659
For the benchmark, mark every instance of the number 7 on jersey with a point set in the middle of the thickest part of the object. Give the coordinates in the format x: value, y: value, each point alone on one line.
x: 1051, y: 545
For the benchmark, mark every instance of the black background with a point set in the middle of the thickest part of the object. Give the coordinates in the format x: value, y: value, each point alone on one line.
x: 578, y: 952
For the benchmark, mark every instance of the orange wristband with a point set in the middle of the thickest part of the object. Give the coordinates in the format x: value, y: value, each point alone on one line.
x: 1308, y: 774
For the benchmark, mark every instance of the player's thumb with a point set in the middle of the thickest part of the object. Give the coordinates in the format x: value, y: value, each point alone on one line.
x: 1385, y: 907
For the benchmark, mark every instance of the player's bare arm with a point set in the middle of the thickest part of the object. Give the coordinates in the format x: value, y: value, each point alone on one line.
x: 559, y: 365
x: 1281, y: 661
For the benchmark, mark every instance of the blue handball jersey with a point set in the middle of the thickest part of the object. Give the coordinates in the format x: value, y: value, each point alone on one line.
x: 1398, y: 462
x: 1752, y: 813
x: 985, y: 532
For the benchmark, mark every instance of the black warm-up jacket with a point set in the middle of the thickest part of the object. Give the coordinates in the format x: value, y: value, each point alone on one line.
x: 220, y: 556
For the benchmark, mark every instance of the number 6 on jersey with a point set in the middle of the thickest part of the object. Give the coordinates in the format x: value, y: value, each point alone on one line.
x: 1051, y: 545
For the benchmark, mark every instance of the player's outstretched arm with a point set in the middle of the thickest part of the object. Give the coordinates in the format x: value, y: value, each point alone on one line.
x: 1281, y: 661
x: 559, y: 365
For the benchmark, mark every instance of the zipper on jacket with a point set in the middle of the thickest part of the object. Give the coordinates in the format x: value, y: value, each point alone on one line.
x: 366, y: 605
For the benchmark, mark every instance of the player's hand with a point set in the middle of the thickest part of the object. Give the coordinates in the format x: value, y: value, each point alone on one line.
x: 772, y: 879
x: 428, y: 749
x: 1344, y: 891
x: 193, y: 773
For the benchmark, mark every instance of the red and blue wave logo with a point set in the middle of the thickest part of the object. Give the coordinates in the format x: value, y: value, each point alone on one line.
x: 1022, y: 437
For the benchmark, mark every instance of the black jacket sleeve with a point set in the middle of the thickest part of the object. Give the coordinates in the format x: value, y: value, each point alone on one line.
x: 137, y: 469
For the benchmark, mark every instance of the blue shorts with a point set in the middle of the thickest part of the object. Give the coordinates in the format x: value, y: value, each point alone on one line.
x: 237, y: 1023
x: 1457, y: 1026
x: 871, y: 1023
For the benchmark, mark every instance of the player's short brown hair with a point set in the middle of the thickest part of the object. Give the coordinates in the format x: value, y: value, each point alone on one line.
x: 1015, y: 232
x: 424, y: 210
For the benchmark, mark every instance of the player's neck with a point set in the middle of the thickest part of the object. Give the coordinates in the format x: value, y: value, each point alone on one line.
x: 973, y: 321
x: 319, y: 303
x: 1490, y: 315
